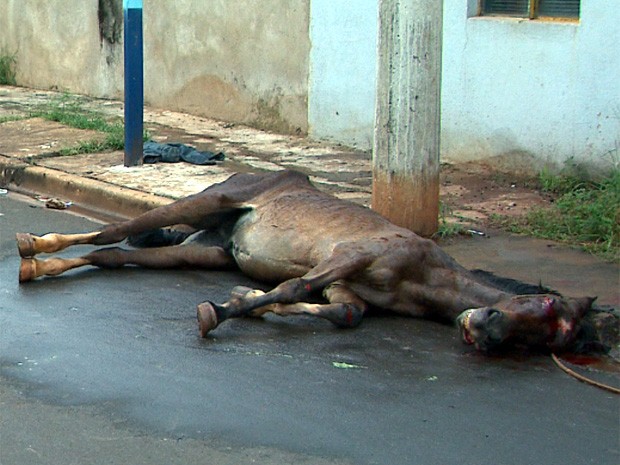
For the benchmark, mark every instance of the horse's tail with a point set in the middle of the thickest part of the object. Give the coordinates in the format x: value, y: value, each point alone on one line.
x: 158, y: 238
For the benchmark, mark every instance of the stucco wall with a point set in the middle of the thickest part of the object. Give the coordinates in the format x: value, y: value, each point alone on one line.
x: 510, y: 87
x: 239, y: 61
x: 343, y: 71
x: 544, y: 88
x: 58, y: 46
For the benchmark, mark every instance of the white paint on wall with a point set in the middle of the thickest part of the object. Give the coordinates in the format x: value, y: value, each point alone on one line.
x: 548, y: 89
x: 511, y: 88
x: 341, y: 93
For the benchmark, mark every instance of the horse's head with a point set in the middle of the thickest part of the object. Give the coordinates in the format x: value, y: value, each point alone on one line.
x: 531, y: 320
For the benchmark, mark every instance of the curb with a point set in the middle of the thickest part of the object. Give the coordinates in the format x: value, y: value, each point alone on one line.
x: 98, y: 198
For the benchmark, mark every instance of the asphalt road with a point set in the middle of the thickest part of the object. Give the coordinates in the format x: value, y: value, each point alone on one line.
x: 101, y: 366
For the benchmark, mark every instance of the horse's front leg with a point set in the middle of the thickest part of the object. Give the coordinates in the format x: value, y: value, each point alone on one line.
x: 290, y: 294
x: 345, y: 309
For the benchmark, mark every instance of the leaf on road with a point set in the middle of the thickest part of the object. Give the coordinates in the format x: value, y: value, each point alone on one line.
x: 347, y: 366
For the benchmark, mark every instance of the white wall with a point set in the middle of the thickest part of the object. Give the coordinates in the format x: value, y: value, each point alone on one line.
x: 545, y: 88
x: 341, y: 88
x: 510, y: 87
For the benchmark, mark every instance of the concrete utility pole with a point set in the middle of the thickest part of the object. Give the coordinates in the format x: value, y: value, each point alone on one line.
x: 406, y: 143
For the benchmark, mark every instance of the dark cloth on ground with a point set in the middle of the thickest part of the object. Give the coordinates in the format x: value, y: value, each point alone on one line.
x: 154, y: 152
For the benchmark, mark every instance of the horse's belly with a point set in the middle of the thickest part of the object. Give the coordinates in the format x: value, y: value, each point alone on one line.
x: 270, y: 253
x: 266, y: 268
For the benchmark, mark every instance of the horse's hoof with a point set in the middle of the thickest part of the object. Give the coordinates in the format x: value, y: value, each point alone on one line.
x: 207, y: 318
x: 25, y: 245
x: 27, y: 270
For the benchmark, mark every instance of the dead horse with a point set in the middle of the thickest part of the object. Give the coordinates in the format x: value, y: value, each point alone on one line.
x: 278, y: 227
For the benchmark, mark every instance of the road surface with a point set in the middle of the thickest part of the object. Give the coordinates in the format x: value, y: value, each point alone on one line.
x: 106, y: 366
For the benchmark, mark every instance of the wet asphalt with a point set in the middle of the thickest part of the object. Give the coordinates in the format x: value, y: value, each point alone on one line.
x: 106, y: 366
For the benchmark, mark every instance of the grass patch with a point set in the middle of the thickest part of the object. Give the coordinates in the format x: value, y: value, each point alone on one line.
x: 7, y: 119
x: 110, y: 143
x: 585, y: 212
x: 7, y: 69
x: 69, y: 110
x: 448, y: 228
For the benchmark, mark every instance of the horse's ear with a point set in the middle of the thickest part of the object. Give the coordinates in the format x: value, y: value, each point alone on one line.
x: 582, y: 305
x: 590, y: 301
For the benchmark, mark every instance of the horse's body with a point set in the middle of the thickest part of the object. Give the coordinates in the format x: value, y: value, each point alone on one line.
x: 278, y: 228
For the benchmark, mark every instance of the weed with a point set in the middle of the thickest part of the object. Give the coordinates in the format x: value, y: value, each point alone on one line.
x: 111, y: 142
x: 69, y: 110
x: 7, y: 69
x: 586, y: 212
x: 6, y: 119
x: 447, y: 228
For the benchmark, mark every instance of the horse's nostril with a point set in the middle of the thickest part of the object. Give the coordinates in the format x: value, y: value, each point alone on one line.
x: 492, y: 314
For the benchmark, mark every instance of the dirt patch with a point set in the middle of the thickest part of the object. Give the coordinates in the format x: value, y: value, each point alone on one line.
x: 474, y: 192
x: 35, y: 137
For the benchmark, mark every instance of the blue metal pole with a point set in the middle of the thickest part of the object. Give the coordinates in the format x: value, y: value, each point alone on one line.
x: 134, y: 86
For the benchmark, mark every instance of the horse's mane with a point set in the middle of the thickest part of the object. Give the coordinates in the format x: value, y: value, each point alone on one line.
x: 510, y: 285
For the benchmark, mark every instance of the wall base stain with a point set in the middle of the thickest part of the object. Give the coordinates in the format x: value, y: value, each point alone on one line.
x: 268, y: 116
x: 209, y: 96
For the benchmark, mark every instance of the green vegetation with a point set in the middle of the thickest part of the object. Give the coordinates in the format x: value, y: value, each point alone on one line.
x: 69, y: 110
x: 6, y: 119
x: 7, y: 69
x: 448, y: 228
x: 585, y: 212
x: 111, y: 142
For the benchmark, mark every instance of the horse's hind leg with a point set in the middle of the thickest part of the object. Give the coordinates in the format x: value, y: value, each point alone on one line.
x: 29, y: 245
x: 183, y: 255
x: 32, y: 268
x: 232, y: 193
x: 185, y: 211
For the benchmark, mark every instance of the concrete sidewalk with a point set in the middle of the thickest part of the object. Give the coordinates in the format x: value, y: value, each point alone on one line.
x: 99, y: 183
x: 29, y: 157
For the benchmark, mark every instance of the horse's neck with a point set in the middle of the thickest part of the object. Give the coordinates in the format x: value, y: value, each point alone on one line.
x: 469, y: 293
x: 462, y: 289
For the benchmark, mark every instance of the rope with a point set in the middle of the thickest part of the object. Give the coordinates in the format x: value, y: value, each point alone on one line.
x: 582, y: 378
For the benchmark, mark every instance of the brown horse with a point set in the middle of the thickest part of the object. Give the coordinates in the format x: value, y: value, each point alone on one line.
x: 278, y: 228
